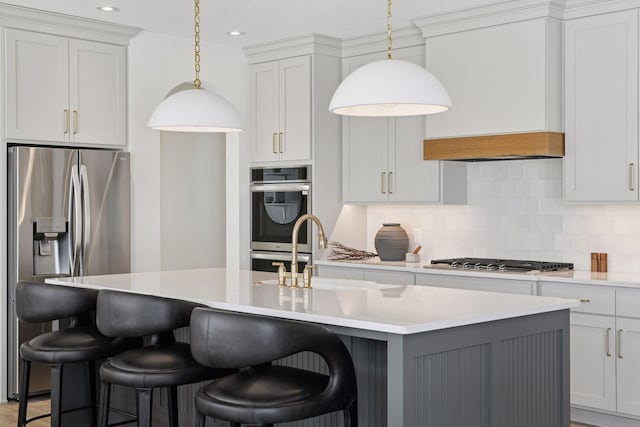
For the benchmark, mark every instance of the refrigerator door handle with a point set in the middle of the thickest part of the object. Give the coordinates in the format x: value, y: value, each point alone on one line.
x: 86, y: 211
x: 75, y: 222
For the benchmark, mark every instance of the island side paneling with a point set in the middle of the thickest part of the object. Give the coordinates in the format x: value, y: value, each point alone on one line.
x: 501, y: 373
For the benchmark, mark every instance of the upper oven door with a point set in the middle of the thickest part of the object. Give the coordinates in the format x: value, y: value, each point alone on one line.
x: 275, y: 208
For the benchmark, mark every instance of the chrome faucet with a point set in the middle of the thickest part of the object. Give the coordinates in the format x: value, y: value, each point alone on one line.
x: 306, y: 275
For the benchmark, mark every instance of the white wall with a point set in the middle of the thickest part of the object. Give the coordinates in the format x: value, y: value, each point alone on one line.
x: 515, y: 210
x: 192, y: 200
x: 157, y: 63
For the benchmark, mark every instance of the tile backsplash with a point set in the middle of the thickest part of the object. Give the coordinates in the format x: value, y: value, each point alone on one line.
x: 515, y: 210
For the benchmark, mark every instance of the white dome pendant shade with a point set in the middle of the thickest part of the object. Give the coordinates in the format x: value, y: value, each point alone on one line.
x: 196, y: 110
x: 389, y: 88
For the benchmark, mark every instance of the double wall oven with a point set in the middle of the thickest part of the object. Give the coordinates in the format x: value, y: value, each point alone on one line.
x: 279, y: 196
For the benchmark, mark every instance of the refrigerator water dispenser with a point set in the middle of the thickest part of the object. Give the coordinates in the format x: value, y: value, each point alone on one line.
x: 51, y: 247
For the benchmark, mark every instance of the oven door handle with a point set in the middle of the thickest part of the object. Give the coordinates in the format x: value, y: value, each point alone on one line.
x: 280, y: 257
x: 256, y: 188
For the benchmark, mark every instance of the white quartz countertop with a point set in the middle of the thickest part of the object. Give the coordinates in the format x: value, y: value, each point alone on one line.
x: 356, y: 304
x: 626, y: 280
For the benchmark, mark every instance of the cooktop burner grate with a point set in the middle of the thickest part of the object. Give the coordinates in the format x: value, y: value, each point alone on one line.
x: 503, y: 264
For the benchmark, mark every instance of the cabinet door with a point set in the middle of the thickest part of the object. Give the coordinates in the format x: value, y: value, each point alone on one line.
x: 593, y: 361
x: 98, y: 92
x: 295, y: 108
x: 601, y: 93
x: 628, y: 354
x: 264, y: 111
x: 37, y: 86
x: 411, y: 179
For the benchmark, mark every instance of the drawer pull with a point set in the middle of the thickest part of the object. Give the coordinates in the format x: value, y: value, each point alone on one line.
x: 619, y: 343
x: 608, y: 342
x: 274, y: 143
x: 585, y: 300
x: 382, y: 181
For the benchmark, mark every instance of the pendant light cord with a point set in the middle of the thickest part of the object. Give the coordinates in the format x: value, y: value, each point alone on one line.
x: 389, y: 39
x: 196, y: 27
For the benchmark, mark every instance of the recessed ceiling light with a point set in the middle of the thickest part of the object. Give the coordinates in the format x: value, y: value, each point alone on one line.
x: 235, y: 33
x: 108, y: 9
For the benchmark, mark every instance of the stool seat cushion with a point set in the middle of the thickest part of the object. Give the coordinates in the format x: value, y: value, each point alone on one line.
x: 279, y: 390
x: 73, y: 345
x: 157, y: 366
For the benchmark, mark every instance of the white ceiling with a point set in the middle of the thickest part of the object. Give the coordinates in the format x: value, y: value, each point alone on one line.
x: 262, y: 20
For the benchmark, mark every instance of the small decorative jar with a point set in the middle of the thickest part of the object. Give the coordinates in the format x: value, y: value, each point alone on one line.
x: 392, y: 242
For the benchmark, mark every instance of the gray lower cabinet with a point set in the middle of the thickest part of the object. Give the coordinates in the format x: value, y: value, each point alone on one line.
x: 605, y: 346
x: 392, y: 277
x: 526, y: 287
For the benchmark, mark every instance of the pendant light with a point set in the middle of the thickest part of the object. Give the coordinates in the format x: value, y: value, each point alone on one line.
x: 196, y: 110
x: 390, y: 87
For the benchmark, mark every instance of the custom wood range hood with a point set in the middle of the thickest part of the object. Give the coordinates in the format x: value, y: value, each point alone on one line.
x: 513, y: 146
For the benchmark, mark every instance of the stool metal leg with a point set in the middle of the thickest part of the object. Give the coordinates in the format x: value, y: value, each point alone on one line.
x: 172, y: 400
x: 145, y: 398
x: 92, y: 391
x: 24, y: 393
x: 351, y: 415
x: 105, y: 394
x: 56, y: 395
x: 200, y: 419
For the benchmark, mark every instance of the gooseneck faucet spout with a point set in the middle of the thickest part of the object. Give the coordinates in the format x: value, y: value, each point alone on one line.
x: 322, y: 244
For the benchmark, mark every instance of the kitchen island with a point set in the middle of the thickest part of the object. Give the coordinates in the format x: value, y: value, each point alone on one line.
x: 424, y: 356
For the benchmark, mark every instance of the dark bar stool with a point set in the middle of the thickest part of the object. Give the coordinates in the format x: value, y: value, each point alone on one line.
x: 163, y: 362
x: 80, y: 342
x: 263, y: 394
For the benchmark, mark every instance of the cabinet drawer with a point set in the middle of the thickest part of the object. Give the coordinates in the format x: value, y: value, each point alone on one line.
x: 477, y: 283
x: 390, y: 277
x: 340, y: 272
x: 628, y: 302
x: 593, y: 299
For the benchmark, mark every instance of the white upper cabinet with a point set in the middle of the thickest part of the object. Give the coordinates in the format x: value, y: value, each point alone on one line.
x: 383, y: 159
x: 64, y: 90
x: 98, y: 103
x: 281, y: 110
x: 601, y: 97
x: 501, y: 78
x: 37, y: 88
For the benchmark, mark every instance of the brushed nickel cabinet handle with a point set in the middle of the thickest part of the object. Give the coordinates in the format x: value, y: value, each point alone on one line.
x: 382, y: 176
x: 390, y: 182
x: 75, y: 122
x: 65, y: 121
x: 631, y: 176
x: 619, y: 343
x: 274, y: 142
x: 585, y: 300
x: 608, y: 342
x: 281, y: 142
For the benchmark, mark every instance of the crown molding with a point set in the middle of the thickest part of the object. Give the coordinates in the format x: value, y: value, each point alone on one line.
x: 372, y: 43
x: 295, y: 46
x: 65, y: 25
x: 499, y: 13
x: 581, y: 8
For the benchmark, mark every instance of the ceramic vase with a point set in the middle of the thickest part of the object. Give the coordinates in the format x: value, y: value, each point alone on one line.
x: 392, y: 242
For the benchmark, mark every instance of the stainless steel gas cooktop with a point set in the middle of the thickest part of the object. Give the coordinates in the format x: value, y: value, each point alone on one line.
x: 494, y: 264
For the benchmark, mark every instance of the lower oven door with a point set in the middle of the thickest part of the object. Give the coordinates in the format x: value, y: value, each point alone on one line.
x: 262, y: 261
x: 275, y: 208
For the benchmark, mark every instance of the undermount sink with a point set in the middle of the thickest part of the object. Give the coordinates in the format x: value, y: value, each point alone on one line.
x: 329, y: 284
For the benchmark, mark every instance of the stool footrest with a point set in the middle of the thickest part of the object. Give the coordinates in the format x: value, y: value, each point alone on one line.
x: 66, y: 411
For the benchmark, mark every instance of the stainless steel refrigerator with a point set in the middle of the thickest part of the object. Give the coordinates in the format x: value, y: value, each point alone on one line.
x: 68, y: 215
